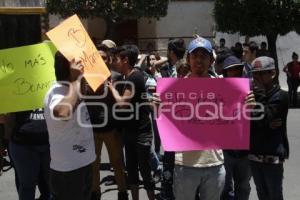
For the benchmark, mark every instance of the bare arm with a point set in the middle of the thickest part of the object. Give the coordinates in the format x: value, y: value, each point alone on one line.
x: 121, y: 100
x: 285, y: 69
x: 142, y: 59
x: 65, y: 107
x: 160, y: 62
x: 250, y: 99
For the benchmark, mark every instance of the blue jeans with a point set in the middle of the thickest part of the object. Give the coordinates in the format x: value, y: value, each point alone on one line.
x: 198, y: 183
x: 268, y: 180
x: 31, y: 163
x: 237, y: 180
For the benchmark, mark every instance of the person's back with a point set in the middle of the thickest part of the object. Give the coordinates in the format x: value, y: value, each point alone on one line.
x: 71, y: 143
x: 71, y: 138
x: 176, y: 51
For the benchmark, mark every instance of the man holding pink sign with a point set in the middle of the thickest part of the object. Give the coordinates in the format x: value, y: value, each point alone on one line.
x: 201, y: 122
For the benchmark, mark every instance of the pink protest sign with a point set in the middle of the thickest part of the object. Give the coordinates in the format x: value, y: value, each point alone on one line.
x: 203, y: 113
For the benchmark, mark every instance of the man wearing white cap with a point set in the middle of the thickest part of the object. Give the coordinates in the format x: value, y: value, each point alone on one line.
x: 268, y: 139
x: 109, y: 43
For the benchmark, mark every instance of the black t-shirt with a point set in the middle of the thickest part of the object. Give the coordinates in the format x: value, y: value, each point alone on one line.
x: 31, y: 128
x: 100, y: 109
x: 139, y: 126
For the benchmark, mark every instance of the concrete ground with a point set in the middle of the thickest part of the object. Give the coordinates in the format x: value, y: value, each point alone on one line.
x: 291, y: 180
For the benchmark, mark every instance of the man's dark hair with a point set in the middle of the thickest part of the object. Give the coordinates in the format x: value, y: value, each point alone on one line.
x: 62, y: 67
x: 156, y: 54
x: 103, y: 47
x: 294, y: 55
x: 222, y: 55
x: 178, y: 47
x: 263, y: 44
x: 222, y: 40
x: 252, y: 47
x: 237, y: 50
x: 239, y: 45
x: 130, y: 51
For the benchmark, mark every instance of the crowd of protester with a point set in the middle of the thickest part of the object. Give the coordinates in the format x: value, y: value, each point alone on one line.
x: 56, y: 149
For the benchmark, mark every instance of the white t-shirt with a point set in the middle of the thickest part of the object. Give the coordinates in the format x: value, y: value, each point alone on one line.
x: 71, y: 145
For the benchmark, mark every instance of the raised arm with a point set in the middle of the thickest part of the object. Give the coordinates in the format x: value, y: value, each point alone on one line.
x: 121, y: 100
x: 66, y: 106
x: 160, y: 62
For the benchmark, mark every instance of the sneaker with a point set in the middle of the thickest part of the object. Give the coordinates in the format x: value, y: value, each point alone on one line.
x: 109, y: 180
x: 96, y: 196
x: 6, y: 165
x: 157, y: 175
x: 122, y: 196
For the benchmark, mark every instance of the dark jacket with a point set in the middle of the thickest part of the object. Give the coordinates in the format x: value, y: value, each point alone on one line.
x: 264, y: 140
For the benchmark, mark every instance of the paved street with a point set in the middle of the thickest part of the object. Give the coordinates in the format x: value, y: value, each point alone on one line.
x: 291, y: 181
x: 91, y: 32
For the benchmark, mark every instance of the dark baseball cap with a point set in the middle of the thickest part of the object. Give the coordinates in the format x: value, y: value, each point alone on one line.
x: 232, y: 61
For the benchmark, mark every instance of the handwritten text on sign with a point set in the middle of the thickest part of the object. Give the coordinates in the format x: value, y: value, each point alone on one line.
x: 72, y: 40
x: 203, y: 113
x: 26, y: 74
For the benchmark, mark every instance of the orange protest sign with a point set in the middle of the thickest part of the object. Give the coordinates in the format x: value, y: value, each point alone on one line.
x: 72, y: 40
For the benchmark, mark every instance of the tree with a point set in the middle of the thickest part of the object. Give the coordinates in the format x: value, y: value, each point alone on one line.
x: 112, y: 12
x: 262, y: 17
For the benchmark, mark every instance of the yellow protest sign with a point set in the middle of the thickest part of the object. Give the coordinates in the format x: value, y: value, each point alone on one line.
x: 72, y: 40
x: 26, y: 74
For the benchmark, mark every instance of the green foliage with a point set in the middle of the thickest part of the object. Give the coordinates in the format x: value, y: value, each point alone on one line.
x: 257, y: 17
x: 115, y: 10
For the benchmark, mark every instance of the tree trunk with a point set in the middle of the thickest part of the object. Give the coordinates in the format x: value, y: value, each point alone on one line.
x: 273, y: 52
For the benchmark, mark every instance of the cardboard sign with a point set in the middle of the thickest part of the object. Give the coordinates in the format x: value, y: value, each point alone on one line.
x: 203, y: 113
x: 72, y: 40
x: 26, y: 74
